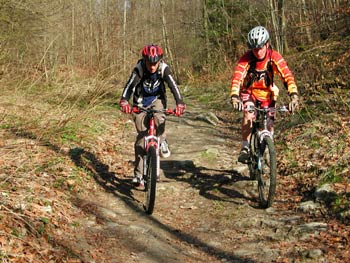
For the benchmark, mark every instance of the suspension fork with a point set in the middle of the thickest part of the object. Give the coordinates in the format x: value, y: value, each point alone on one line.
x: 151, y: 140
x: 152, y: 126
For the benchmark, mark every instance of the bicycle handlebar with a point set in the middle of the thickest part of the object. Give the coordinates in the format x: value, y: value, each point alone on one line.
x: 151, y: 110
x: 283, y: 108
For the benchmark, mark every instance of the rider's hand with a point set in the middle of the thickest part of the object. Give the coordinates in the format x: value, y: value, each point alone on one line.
x: 236, y: 103
x: 294, y: 103
x: 125, y: 106
x: 180, y: 109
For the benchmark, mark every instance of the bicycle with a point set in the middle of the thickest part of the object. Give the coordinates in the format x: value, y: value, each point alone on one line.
x: 151, y: 159
x: 262, y: 161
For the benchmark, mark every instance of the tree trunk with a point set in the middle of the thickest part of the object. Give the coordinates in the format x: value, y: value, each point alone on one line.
x: 275, y: 25
x: 124, y: 37
x: 166, y: 41
x: 282, y: 27
x: 176, y: 61
x: 206, y: 30
x: 307, y: 26
x: 72, y: 36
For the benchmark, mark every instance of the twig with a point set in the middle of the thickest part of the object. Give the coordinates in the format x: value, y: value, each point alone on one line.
x: 3, y: 233
x: 20, y: 218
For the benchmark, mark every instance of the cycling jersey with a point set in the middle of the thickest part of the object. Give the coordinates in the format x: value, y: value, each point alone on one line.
x: 255, y: 77
x: 147, y: 87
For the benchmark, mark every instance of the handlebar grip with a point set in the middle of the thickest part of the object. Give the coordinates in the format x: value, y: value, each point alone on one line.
x: 170, y: 111
x: 284, y: 108
x: 135, y: 110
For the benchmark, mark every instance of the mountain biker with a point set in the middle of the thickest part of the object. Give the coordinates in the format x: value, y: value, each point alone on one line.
x: 147, y: 86
x: 252, y: 82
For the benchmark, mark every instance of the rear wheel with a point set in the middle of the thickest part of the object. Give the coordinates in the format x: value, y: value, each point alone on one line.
x: 266, y: 172
x: 151, y: 179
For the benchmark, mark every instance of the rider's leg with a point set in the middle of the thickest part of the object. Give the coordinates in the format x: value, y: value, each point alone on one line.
x: 141, y: 128
x: 247, y: 124
x: 160, y: 119
x: 160, y: 124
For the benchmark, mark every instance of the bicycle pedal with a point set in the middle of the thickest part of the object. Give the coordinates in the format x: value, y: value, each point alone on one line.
x: 244, y: 161
x: 141, y: 183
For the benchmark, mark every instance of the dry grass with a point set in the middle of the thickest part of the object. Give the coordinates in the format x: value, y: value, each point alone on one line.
x: 40, y: 123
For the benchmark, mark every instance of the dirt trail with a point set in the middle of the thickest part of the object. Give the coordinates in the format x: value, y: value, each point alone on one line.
x: 206, y: 208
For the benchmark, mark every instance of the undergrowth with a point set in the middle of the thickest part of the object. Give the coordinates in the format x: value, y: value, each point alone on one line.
x: 314, y: 146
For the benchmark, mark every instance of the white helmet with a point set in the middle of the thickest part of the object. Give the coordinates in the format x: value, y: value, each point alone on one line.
x: 258, y: 37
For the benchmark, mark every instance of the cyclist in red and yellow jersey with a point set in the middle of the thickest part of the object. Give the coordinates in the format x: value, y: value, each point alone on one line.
x: 252, y: 82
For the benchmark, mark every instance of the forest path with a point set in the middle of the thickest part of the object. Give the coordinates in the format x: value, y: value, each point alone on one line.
x: 206, y: 207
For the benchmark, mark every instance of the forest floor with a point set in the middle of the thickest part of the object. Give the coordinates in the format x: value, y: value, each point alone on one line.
x: 77, y: 204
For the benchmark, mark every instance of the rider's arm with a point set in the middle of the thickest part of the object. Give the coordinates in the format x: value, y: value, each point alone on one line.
x: 130, y: 86
x: 169, y: 79
x: 239, y: 74
x: 281, y: 68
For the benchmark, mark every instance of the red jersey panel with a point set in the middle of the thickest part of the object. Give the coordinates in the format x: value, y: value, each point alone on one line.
x: 256, y: 76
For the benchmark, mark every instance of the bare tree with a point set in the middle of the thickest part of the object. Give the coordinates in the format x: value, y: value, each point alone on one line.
x: 206, y: 30
x: 276, y: 24
x: 303, y: 21
x: 107, y: 35
x: 124, y: 36
x: 166, y: 40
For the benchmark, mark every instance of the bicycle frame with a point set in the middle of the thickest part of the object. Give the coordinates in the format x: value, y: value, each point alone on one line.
x: 151, y: 140
x: 151, y: 159
x: 260, y: 124
x: 262, y: 163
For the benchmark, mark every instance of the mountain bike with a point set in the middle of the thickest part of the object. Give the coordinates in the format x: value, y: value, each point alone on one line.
x: 262, y: 161
x: 151, y: 159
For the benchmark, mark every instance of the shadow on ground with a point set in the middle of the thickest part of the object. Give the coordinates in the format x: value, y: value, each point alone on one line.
x: 206, y: 180
x: 122, y: 189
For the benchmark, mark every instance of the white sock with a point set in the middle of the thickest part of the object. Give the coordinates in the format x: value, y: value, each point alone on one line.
x: 245, y: 144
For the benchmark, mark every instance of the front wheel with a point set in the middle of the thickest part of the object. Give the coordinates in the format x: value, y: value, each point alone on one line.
x: 151, y: 179
x: 266, y: 172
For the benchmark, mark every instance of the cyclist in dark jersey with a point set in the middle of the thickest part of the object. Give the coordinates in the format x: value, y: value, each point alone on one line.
x: 147, y: 87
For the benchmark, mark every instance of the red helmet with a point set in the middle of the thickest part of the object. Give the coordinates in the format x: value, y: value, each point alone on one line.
x: 152, y: 53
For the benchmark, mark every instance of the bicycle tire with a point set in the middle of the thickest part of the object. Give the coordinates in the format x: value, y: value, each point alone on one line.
x: 151, y: 179
x: 266, y: 172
